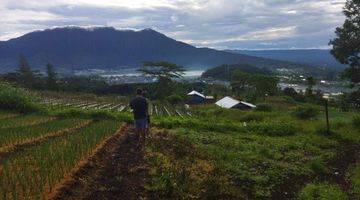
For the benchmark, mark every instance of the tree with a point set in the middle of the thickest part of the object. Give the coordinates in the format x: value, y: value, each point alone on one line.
x: 26, y: 76
x: 51, y: 77
x: 264, y: 84
x: 239, y: 81
x: 164, y: 72
x: 253, y: 85
x: 346, y: 45
x: 311, y: 82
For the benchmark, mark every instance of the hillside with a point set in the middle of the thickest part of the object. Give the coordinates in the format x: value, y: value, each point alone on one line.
x: 107, y: 48
x: 84, y: 147
x: 224, y: 72
x: 316, y: 57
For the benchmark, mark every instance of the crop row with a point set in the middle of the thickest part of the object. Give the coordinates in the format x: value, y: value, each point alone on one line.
x: 154, y: 108
x: 33, y: 172
x: 9, y: 136
x: 6, y: 115
x: 24, y: 120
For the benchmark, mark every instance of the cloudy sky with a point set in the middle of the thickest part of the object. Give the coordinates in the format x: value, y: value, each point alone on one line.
x: 222, y: 24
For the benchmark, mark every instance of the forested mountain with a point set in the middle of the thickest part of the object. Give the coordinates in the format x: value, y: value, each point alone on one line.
x: 107, y: 48
x: 315, y: 57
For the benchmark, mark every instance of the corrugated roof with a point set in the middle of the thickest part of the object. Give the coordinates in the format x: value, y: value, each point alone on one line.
x: 248, y: 104
x: 196, y: 93
x: 227, y: 102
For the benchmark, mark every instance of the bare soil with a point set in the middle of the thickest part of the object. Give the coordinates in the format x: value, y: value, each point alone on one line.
x: 116, y: 171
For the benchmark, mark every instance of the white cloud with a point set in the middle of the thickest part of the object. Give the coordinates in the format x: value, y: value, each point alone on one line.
x: 217, y: 23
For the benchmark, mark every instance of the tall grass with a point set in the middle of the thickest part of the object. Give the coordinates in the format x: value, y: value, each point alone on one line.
x: 15, y: 98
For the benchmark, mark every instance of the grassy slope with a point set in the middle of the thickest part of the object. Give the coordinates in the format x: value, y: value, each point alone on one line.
x: 243, y: 158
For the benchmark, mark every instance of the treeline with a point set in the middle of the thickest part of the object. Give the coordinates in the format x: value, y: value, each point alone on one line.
x: 224, y: 72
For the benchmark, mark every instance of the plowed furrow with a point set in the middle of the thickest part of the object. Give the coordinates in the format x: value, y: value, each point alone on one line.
x: 116, y: 170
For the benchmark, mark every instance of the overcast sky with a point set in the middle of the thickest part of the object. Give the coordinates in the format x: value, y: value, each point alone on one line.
x: 222, y: 24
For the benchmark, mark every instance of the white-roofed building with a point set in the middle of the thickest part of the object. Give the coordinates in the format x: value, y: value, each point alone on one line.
x: 196, y: 94
x: 195, y: 97
x: 228, y: 102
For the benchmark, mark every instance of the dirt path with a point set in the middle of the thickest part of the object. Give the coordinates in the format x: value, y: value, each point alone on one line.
x: 348, y: 154
x: 115, y: 171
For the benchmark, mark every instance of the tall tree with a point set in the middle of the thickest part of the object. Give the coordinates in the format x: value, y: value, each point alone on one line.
x: 346, y: 45
x: 164, y: 72
x: 239, y: 81
x: 310, y: 82
x: 25, y: 75
x: 51, y: 77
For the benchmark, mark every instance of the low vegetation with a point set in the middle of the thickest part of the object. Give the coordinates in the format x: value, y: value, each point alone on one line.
x: 322, y: 191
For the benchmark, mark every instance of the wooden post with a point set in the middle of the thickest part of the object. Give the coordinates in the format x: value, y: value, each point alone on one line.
x: 327, y: 117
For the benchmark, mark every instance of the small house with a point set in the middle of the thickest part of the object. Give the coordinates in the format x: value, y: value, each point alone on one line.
x: 209, y: 99
x: 195, y: 97
x: 228, y: 103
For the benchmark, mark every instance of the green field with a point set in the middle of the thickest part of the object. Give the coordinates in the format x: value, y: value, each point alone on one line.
x: 281, y: 151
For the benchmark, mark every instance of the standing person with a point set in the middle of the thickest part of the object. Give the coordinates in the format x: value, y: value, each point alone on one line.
x: 140, y: 105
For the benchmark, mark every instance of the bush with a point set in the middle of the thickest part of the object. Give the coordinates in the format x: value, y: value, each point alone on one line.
x: 263, y: 107
x: 174, y: 99
x: 273, y: 129
x: 322, y: 130
x: 251, y: 117
x: 18, y: 99
x: 356, y: 121
x: 322, y: 191
x: 305, y: 112
x: 317, y: 165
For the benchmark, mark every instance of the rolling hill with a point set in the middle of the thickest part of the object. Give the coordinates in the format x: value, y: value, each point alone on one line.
x: 315, y: 57
x: 73, y: 48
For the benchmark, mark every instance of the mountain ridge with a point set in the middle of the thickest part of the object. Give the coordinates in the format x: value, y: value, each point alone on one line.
x: 74, y: 48
x: 315, y: 57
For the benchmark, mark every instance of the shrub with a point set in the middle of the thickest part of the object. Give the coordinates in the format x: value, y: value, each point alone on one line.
x: 322, y: 191
x: 174, y: 99
x: 15, y: 98
x: 273, y: 128
x: 356, y: 121
x: 322, y: 130
x: 263, y: 107
x: 251, y: 117
x: 305, y: 112
x: 317, y: 165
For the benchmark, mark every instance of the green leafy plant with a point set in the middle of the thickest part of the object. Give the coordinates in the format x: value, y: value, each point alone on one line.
x: 322, y: 191
x: 305, y: 112
x: 264, y: 108
x: 356, y: 121
x: 14, y: 98
x: 273, y: 128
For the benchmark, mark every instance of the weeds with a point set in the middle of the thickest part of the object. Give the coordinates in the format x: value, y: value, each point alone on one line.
x: 322, y: 191
x: 14, y: 98
x: 305, y: 113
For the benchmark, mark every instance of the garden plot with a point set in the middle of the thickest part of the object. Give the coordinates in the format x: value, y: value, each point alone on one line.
x: 33, y: 172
